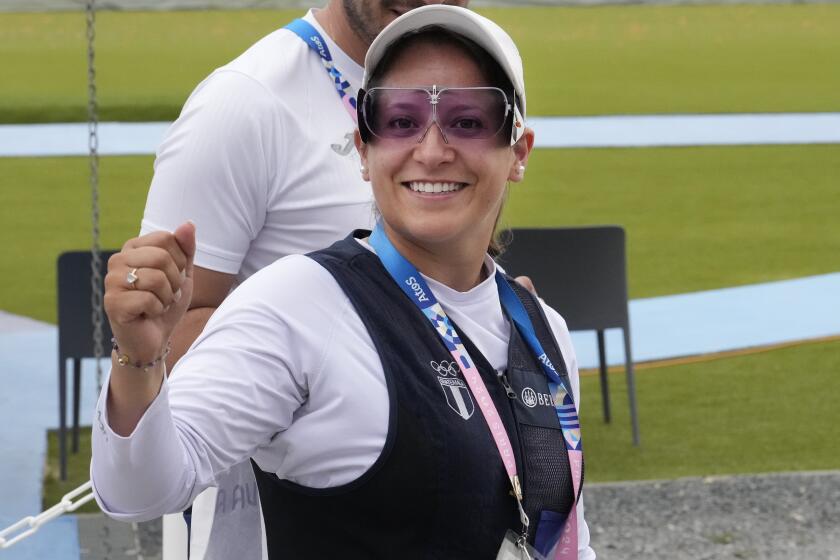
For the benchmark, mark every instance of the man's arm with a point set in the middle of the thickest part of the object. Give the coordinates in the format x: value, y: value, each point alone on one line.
x: 209, y: 289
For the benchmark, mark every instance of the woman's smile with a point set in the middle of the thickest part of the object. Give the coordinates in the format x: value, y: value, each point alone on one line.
x: 435, y: 187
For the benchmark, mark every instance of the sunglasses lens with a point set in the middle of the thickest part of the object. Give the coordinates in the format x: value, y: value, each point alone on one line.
x: 398, y: 113
x: 471, y: 113
x: 461, y: 113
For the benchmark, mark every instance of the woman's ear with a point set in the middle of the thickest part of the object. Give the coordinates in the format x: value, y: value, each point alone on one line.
x: 362, y: 148
x: 521, y: 151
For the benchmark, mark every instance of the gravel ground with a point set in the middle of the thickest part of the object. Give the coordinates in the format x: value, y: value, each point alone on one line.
x: 102, y: 538
x: 793, y: 516
x: 780, y: 516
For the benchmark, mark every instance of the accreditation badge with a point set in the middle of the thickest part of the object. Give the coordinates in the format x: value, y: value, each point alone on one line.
x: 514, y: 547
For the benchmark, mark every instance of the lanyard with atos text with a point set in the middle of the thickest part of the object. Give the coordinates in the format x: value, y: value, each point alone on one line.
x: 316, y: 42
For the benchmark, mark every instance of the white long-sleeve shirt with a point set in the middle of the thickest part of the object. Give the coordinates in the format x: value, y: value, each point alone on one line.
x: 285, y: 372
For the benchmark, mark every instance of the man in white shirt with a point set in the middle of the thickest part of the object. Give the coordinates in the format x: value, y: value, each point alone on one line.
x: 262, y: 160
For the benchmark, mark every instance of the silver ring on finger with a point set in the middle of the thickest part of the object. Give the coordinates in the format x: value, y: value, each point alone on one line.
x: 131, y: 279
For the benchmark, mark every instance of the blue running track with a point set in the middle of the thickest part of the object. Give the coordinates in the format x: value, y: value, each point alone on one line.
x: 609, y: 131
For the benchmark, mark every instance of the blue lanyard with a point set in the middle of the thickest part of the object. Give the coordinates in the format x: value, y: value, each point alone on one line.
x: 316, y: 42
x: 520, y: 318
x: 415, y: 287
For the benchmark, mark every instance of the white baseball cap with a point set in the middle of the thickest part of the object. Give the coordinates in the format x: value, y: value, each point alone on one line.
x: 461, y: 21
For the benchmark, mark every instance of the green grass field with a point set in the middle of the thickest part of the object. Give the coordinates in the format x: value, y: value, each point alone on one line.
x: 765, y: 412
x: 603, y: 60
x: 695, y: 218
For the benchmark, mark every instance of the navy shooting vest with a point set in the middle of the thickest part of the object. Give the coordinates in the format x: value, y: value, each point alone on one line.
x: 438, y: 489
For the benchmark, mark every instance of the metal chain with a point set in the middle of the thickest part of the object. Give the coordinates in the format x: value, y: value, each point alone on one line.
x: 28, y: 525
x: 96, y: 297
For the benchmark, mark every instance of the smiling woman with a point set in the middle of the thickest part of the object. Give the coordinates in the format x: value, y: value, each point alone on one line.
x: 367, y: 440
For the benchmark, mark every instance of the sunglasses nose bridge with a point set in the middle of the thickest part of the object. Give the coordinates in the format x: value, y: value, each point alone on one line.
x: 428, y: 128
x: 433, y: 120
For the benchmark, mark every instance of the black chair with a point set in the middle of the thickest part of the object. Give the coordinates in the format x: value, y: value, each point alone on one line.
x: 581, y: 272
x: 75, y: 336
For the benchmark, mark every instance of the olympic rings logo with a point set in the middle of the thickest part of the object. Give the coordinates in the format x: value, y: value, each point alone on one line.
x: 445, y: 368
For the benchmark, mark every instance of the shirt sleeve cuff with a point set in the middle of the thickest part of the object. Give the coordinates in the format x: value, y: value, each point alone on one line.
x: 139, y: 476
x: 206, y: 256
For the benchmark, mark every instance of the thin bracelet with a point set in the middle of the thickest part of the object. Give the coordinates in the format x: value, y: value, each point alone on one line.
x: 124, y: 360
